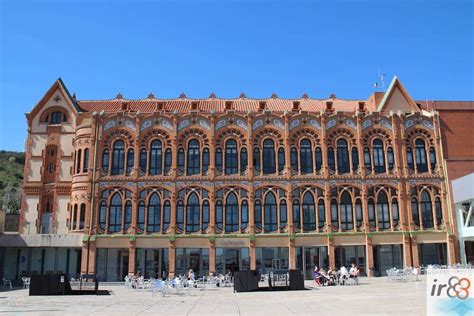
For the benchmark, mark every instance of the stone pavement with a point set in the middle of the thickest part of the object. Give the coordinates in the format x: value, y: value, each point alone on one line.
x: 374, y: 296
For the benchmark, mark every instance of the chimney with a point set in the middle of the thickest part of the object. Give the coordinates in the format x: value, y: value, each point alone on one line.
x: 329, y: 107
x: 262, y: 105
x: 229, y: 105
x: 361, y: 106
x: 194, y: 105
x: 296, y: 106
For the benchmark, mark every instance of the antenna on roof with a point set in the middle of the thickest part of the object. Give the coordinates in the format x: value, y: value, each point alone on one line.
x: 382, y: 79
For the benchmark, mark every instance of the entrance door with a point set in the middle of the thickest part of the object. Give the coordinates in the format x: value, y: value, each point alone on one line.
x: 232, y: 260
x: 312, y: 259
x: 194, y: 262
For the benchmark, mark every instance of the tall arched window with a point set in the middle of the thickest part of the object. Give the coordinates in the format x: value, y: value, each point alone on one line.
x: 294, y: 159
x: 331, y: 159
x: 194, y: 157
x: 371, y: 211
x: 432, y: 158
x: 166, y: 215
x: 73, y: 218
x: 296, y: 214
x: 319, y: 159
x: 205, y: 215
x: 359, y: 213
x: 270, y: 213
x: 321, y: 214
x: 143, y: 160
x: 219, y: 217
x: 244, y: 214
x: 219, y: 159
x: 193, y: 216
x: 205, y: 159
x: 118, y: 158
x: 78, y: 164
x: 420, y: 156
x: 306, y: 156
x: 231, y: 213
x: 334, y: 214
x: 347, y: 222
x: 395, y: 212
x: 102, y: 215
x: 355, y: 159
x: 258, y: 214
x: 105, y: 160
x: 439, y: 211
x: 367, y: 160
x: 168, y: 161
x: 414, y: 211
x: 130, y: 160
x: 342, y: 156
x: 181, y: 159
x: 410, y: 163
x: 256, y: 159
x: 309, y: 212
x: 283, y: 214
x: 156, y: 157
x: 390, y: 158
x: 85, y: 165
x: 269, y: 163
x: 243, y: 159
x: 379, y: 156
x: 128, y: 215
x: 141, y: 215
x: 281, y: 159
x: 383, y: 212
x: 231, y: 157
x: 426, y: 210
x: 154, y: 213
x: 180, y: 215
x: 115, y: 213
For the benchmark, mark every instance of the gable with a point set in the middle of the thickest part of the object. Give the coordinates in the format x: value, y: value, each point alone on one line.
x: 397, y: 99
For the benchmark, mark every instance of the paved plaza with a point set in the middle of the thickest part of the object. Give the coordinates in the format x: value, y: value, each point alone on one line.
x: 374, y: 296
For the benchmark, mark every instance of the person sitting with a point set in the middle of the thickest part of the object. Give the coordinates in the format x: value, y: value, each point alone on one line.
x: 324, y: 276
x: 343, y: 275
x: 354, y: 273
x: 317, y: 276
x: 332, y: 274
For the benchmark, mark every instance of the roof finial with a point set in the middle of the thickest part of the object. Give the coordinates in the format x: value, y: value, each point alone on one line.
x: 119, y: 96
x: 242, y: 96
x: 305, y: 96
x: 274, y: 95
x: 151, y: 95
x: 182, y: 96
x: 212, y: 95
x: 332, y: 96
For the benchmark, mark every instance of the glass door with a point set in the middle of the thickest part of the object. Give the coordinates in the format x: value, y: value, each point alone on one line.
x: 232, y: 260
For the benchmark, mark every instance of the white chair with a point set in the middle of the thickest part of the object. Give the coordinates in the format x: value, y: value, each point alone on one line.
x: 7, y: 282
x: 158, y: 286
x: 26, y: 282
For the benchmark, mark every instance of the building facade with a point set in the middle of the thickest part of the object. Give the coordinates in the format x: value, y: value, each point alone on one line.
x: 161, y: 186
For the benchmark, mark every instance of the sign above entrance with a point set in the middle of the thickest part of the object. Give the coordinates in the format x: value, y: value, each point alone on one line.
x: 231, y: 243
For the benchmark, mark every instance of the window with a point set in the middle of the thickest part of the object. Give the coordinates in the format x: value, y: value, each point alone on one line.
x: 243, y: 160
x: 355, y: 159
x: 205, y: 215
x: 258, y: 214
x: 390, y: 158
x: 371, y: 209
x: 56, y: 117
x: 118, y: 158
x: 130, y: 158
x: 309, y: 212
x: 244, y: 214
x: 294, y: 159
x: 283, y: 214
x: 73, y: 218
x: 420, y: 155
x: 432, y: 158
x: 115, y: 214
x: 331, y: 161
x: 383, y: 213
x: 269, y: 166
x: 426, y: 210
x: 193, y: 216
x: 379, y: 156
x: 342, y: 156
x: 219, y: 218
x: 395, y: 213
x: 85, y: 165
x: 231, y: 213
x: 256, y: 159
x: 194, y: 157
x: 166, y: 215
x: 141, y: 215
x: 181, y: 159
x: 168, y: 161
x: 180, y: 215
x: 156, y: 158
x: 306, y: 156
x: 231, y: 157
x: 102, y: 215
x: 321, y: 214
x: 410, y: 164
x: 359, y: 214
x: 82, y: 216
x: 334, y: 214
x: 143, y: 160
x: 415, y: 212
x: 281, y: 159
x: 270, y: 213
x: 128, y: 215
x: 319, y: 159
x: 78, y: 164
x: 367, y: 161
x: 345, y: 206
x: 154, y: 213
x: 296, y: 213
x: 205, y: 160
x: 439, y: 211
x: 219, y: 159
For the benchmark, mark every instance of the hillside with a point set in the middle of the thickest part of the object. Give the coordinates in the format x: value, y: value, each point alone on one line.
x: 11, y: 179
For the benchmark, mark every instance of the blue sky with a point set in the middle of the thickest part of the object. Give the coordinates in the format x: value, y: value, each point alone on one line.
x: 101, y: 48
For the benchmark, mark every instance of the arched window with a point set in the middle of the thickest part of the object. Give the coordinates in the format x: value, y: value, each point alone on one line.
x: 269, y: 166
x: 321, y: 214
x: 347, y: 222
x: 130, y: 159
x: 414, y: 211
x: 296, y: 214
x: 426, y: 210
x: 244, y: 214
x: 143, y: 160
x: 219, y: 217
x: 283, y: 214
x: 105, y: 160
x: 166, y: 215
x: 383, y: 212
x: 371, y: 211
x: 193, y: 216
x: 281, y: 159
x: 57, y: 117
x: 367, y: 161
x: 256, y: 159
x: 258, y: 214
x: 355, y: 159
x: 128, y: 215
x: 168, y: 161
x: 231, y: 158
x: 118, y: 158
x: 309, y: 212
x: 85, y: 165
x: 219, y: 159
x: 181, y: 159
x: 439, y: 211
x: 102, y: 215
x: 205, y: 215
x: 78, y: 165
x: 194, y: 157
x: 390, y: 158
x: 205, y: 160
x: 270, y: 213
x: 306, y: 156
x: 115, y: 213
x: 82, y: 216
x: 294, y: 159
x: 154, y: 213
x: 432, y: 158
x: 334, y: 214
x: 410, y: 163
x: 156, y: 157
x: 395, y: 213
x: 141, y: 215
x: 331, y: 160
x: 180, y: 215
x: 319, y: 159
x: 420, y: 155
x: 379, y: 156
x: 73, y: 224
x: 231, y: 213
x: 342, y: 156
x: 359, y: 213
x: 243, y: 159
